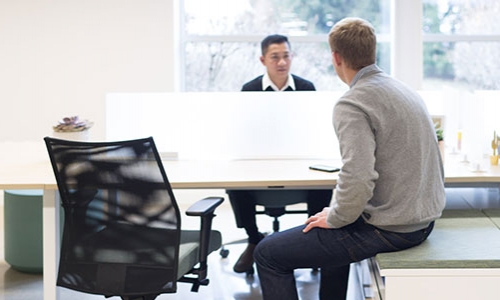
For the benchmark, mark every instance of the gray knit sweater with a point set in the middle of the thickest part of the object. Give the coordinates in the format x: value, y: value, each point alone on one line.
x: 392, y: 172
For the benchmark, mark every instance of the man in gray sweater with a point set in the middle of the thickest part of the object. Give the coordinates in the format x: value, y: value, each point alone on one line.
x: 391, y: 185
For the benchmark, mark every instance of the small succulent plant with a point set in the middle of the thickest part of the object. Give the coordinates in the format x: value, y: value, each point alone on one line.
x: 72, y: 124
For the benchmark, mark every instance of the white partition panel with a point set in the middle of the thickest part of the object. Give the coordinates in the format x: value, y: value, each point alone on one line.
x: 228, y: 125
x: 269, y: 125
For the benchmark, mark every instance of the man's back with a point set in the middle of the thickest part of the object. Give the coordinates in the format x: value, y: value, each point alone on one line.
x: 398, y: 140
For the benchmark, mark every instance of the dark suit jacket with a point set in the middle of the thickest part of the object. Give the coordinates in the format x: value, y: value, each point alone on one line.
x: 255, y: 85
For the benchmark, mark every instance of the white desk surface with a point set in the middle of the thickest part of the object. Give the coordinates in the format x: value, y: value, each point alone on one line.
x: 235, y: 174
x: 193, y: 174
x: 26, y: 166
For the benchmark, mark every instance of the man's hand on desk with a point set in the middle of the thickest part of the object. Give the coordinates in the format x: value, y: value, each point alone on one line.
x: 318, y: 220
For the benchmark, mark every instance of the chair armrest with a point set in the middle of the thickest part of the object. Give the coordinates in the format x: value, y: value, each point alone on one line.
x: 204, y: 206
x: 204, y: 209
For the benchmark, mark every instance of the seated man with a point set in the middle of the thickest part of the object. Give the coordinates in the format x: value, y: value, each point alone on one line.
x: 391, y: 185
x: 277, y: 58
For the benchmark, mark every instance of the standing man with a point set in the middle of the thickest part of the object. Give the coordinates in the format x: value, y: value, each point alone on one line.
x: 277, y: 58
x: 391, y: 186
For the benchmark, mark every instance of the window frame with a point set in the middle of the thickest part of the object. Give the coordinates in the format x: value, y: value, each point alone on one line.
x: 406, y: 40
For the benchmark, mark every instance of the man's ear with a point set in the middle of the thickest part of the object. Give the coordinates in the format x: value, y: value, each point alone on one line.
x: 336, y: 58
x: 262, y: 60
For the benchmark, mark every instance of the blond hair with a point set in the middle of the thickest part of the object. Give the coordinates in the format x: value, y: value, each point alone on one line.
x: 355, y: 41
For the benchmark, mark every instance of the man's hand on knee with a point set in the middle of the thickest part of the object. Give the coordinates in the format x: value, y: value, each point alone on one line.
x: 318, y: 220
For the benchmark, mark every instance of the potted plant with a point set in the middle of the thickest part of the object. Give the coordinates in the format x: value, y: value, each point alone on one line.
x: 72, y: 128
x: 439, y: 134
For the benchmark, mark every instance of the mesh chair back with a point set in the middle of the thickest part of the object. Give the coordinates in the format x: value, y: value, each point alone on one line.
x: 122, y: 224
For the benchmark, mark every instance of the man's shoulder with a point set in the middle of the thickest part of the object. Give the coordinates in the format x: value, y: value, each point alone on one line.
x: 302, y: 84
x: 254, y: 84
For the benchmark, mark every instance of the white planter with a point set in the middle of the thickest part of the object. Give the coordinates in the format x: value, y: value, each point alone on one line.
x: 81, y: 136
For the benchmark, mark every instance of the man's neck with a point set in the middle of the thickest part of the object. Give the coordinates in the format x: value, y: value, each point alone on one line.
x: 349, y: 75
x: 279, y: 82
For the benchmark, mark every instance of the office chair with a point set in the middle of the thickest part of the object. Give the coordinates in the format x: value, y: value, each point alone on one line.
x: 122, y: 227
x: 275, y: 202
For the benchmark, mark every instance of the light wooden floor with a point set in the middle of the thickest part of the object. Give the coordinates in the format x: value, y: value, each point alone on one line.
x: 224, y: 283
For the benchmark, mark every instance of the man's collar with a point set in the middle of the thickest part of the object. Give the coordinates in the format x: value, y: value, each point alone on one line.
x: 366, y: 70
x: 266, y: 82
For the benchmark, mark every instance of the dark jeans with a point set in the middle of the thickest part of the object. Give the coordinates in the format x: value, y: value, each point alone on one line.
x: 332, y: 250
x: 243, y: 203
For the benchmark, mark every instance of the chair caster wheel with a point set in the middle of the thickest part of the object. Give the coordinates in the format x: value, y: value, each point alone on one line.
x: 224, y: 252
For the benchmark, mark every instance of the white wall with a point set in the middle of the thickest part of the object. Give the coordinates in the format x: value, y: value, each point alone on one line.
x: 61, y: 57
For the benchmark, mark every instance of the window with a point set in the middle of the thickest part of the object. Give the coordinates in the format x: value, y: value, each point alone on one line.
x: 221, y: 39
x: 461, y: 44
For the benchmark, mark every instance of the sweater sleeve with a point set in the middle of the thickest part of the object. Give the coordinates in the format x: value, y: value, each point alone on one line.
x: 357, y: 178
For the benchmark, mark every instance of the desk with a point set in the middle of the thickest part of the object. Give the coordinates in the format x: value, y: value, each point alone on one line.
x: 30, y: 169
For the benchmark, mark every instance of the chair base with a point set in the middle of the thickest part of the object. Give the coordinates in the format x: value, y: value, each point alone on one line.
x: 195, y: 282
x: 276, y: 212
x: 146, y: 297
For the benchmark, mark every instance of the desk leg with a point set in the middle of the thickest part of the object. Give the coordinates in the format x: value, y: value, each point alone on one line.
x: 50, y: 243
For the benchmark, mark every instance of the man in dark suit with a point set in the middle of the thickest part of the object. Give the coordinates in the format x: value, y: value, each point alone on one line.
x: 277, y: 58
